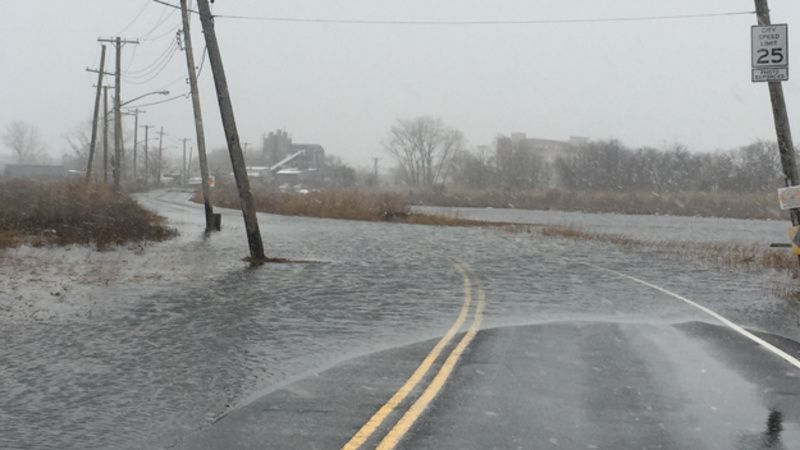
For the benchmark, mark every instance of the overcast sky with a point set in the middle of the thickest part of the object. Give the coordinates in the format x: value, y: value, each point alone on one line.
x: 342, y: 86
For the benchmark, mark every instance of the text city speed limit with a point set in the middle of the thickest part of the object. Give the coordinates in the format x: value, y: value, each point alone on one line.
x: 770, y: 52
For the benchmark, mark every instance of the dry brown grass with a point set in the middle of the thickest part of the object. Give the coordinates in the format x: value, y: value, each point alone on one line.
x: 350, y: 204
x: 740, y: 205
x: 73, y: 213
x: 726, y: 254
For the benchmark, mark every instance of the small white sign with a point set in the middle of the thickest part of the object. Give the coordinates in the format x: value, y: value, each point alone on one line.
x: 769, y: 52
x: 789, y: 197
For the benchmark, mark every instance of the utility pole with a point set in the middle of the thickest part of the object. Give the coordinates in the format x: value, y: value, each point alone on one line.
x: 198, y: 118
x: 781, y: 118
x: 183, y: 167
x: 160, y: 147
x: 375, y: 168
x: 96, y: 114
x: 189, y: 164
x: 105, y: 134
x: 118, y: 41
x: 146, y: 159
x: 231, y: 134
x: 135, y: 138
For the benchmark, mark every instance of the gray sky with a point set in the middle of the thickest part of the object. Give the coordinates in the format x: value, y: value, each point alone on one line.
x: 646, y: 83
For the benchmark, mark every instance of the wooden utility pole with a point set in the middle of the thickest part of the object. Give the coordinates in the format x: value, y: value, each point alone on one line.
x: 189, y: 164
x: 183, y: 166
x: 781, y: 118
x: 146, y: 158
x: 135, y: 138
x: 198, y: 118
x: 118, y: 41
x: 160, y: 148
x: 105, y: 134
x: 96, y: 115
x: 231, y: 134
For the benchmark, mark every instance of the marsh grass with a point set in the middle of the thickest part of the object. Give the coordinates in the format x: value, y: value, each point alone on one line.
x: 350, y: 204
x: 73, y: 213
x: 739, y: 205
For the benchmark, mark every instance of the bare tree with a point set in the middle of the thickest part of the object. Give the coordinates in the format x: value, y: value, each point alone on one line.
x: 78, y: 142
x: 25, y: 141
x: 423, y: 147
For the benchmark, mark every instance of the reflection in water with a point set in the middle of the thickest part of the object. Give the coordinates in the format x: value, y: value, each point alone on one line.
x: 774, y: 427
x: 769, y: 439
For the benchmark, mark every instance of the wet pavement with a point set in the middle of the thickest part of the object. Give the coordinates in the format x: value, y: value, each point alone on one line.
x: 153, y: 360
x: 560, y: 385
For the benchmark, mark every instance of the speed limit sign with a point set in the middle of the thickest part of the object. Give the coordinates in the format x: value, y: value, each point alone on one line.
x: 770, y: 52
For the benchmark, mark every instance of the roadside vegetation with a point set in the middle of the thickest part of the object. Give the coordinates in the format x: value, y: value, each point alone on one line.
x: 738, y: 205
x: 350, y: 204
x: 73, y: 213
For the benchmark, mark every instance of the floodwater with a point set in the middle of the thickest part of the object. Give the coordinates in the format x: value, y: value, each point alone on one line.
x: 645, y: 227
x: 184, y: 331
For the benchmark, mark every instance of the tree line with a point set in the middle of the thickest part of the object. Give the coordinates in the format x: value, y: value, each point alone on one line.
x: 430, y: 153
x: 611, y: 166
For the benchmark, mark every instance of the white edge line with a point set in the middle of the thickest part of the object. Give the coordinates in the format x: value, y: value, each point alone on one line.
x: 739, y: 329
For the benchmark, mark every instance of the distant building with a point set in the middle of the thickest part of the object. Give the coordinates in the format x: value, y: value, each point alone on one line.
x: 39, y: 172
x: 548, y: 149
x: 285, y: 162
x: 278, y: 146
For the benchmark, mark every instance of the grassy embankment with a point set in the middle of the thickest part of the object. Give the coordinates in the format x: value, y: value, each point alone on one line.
x: 738, y: 205
x: 351, y: 204
x: 72, y: 213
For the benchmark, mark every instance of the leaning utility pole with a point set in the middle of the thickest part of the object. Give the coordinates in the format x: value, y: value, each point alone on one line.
x: 96, y: 114
x: 781, y: 118
x: 160, y: 147
x: 105, y: 134
x: 231, y: 134
x: 118, y: 41
x: 198, y: 119
x: 146, y: 158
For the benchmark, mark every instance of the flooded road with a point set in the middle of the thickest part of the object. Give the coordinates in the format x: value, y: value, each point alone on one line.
x: 151, y: 360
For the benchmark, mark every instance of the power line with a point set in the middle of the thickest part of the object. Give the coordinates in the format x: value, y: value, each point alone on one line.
x: 156, y: 66
x: 139, y: 14
x: 155, y: 74
x: 186, y: 95
x: 202, y: 61
x: 166, y: 33
x: 479, y: 22
x: 471, y: 22
x: 160, y: 21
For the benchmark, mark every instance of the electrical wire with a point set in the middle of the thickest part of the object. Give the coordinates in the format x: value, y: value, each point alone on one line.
x: 479, y: 22
x: 155, y: 74
x: 202, y: 62
x: 165, y: 15
x: 133, y: 56
x: 139, y: 14
x: 156, y: 64
x: 171, y: 99
x: 466, y: 22
x: 170, y: 31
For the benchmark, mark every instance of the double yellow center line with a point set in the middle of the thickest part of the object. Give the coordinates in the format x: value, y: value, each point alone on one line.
x: 413, y: 413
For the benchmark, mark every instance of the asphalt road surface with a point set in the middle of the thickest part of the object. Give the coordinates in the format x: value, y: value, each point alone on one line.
x: 397, y: 336
x: 571, y: 385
